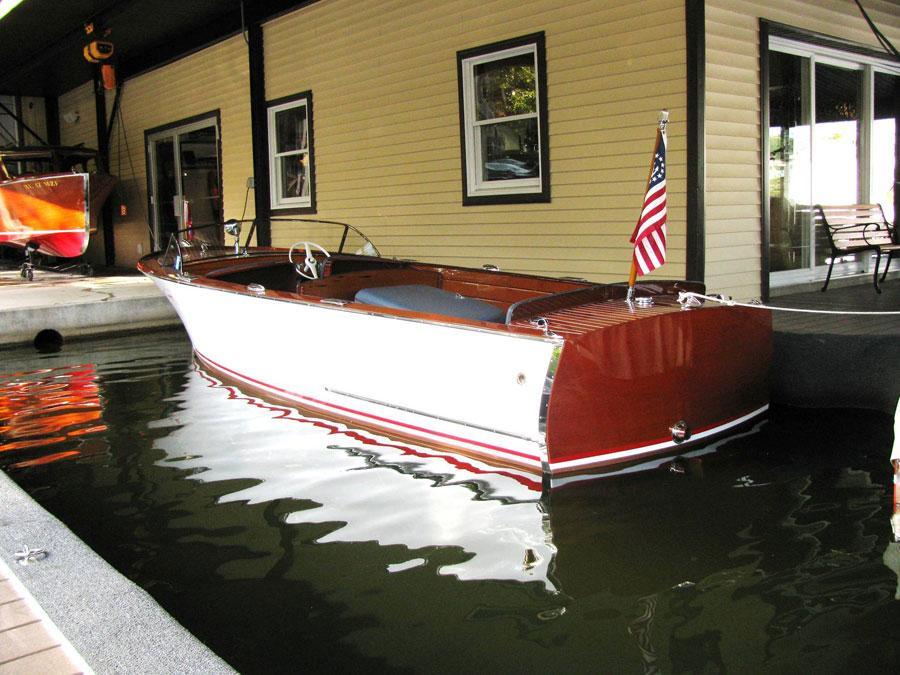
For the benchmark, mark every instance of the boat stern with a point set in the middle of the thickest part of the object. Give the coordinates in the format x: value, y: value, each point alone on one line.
x: 658, y: 381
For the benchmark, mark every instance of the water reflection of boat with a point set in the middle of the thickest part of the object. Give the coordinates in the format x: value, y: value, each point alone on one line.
x: 47, y: 408
x: 359, y: 483
x: 553, y: 376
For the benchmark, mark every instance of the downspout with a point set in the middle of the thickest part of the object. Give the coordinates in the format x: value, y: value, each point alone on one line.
x: 695, y: 30
x: 109, y: 237
x: 258, y: 124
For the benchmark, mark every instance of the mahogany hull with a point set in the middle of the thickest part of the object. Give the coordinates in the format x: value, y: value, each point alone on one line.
x: 52, y: 211
x: 592, y: 384
x: 621, y: 388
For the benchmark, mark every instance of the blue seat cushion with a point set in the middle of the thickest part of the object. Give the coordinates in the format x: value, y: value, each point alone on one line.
x: 420, y: 298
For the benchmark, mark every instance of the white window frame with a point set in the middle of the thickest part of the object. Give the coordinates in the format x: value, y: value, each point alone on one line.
x: 476, y: 185
x: 275, y: 176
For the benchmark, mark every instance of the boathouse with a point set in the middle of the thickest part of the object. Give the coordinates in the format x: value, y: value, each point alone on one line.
x: 471, y: 132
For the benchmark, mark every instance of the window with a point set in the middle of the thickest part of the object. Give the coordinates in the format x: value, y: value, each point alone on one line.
x: 831, y: 140
x: 291, y: 168
x: 503, y: 119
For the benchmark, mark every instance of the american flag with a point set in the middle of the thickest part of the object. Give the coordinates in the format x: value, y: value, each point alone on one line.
x: 649, y: 236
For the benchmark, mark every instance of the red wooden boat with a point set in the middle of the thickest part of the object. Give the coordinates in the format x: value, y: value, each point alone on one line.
x: 551, y: 375
x: 49, y: 207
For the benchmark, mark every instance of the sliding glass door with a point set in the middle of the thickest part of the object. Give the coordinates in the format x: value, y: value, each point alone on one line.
x: 186, y: 195
x: 831, y: 140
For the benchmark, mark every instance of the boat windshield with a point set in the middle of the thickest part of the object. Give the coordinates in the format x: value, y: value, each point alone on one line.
x: 333, y: 236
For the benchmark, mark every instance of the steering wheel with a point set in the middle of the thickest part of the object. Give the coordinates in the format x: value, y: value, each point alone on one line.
x: 308, y: 269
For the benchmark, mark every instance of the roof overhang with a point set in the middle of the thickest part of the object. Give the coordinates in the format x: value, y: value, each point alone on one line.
x: 43, y: 40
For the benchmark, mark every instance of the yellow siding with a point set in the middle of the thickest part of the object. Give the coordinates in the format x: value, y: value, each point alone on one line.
x: 81, y: 102
x: 385, y: 96
x: 212, y: 79
x: 733, y: 162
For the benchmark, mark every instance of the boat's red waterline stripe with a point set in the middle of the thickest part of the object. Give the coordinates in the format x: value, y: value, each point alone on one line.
x: 383, y: 420
x: 614, y: 455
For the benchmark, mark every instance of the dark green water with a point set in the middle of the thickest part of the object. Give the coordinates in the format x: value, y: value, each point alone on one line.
x: 287, y: 544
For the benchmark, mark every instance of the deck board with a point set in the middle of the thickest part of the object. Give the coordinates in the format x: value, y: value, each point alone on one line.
x: 29, y: 642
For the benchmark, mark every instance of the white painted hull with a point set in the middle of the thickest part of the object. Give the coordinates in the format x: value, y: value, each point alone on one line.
x: 474, y: 390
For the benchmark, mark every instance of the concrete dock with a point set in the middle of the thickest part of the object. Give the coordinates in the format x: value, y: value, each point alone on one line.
x: 76, y: 306
x: 110, y: 624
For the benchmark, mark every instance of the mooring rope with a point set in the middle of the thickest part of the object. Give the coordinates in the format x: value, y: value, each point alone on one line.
x: 691, y: 299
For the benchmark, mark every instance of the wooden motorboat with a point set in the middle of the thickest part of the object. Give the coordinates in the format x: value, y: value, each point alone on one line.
x: 549, y: 375
x: 50, y: 208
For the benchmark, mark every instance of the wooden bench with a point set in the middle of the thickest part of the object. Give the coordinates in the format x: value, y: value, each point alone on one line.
x: 856, y: 228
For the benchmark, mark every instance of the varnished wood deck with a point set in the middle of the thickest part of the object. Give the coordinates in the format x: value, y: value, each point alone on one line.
x: 29, y: 642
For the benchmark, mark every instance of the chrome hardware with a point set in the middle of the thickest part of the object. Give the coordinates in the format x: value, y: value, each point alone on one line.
x: 333, y: 301
x: 490, y: 268
x: 520, y: 378
x: 680, y: 431
x: 256, y: 288
x: 688, y: 300
x: 644, y: 302
x: 27, y: 555
x: 540, y: 322
x: 233, y: 228
x: 579, y: 279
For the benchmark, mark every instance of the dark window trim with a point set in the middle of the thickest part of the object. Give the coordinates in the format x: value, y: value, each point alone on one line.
x: 300, y: 96
x: 764, y: 121
x: 775, y: 29
x: 187, y: 120
x: 215, y: 114
x: 543, y: 196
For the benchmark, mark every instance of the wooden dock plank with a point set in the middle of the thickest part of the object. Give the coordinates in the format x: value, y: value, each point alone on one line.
x: 26, y: 640
x: 29, y: 642
x: 53, y: 660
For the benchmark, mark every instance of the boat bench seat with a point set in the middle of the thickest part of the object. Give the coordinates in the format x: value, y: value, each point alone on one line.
x: 431, y: 300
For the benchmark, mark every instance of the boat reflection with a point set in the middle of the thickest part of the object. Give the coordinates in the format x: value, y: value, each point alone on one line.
x: 363, y: 483
x: 48, y: 408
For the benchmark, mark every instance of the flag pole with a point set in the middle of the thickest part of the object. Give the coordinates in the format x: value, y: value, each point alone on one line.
x: 662, y: 122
